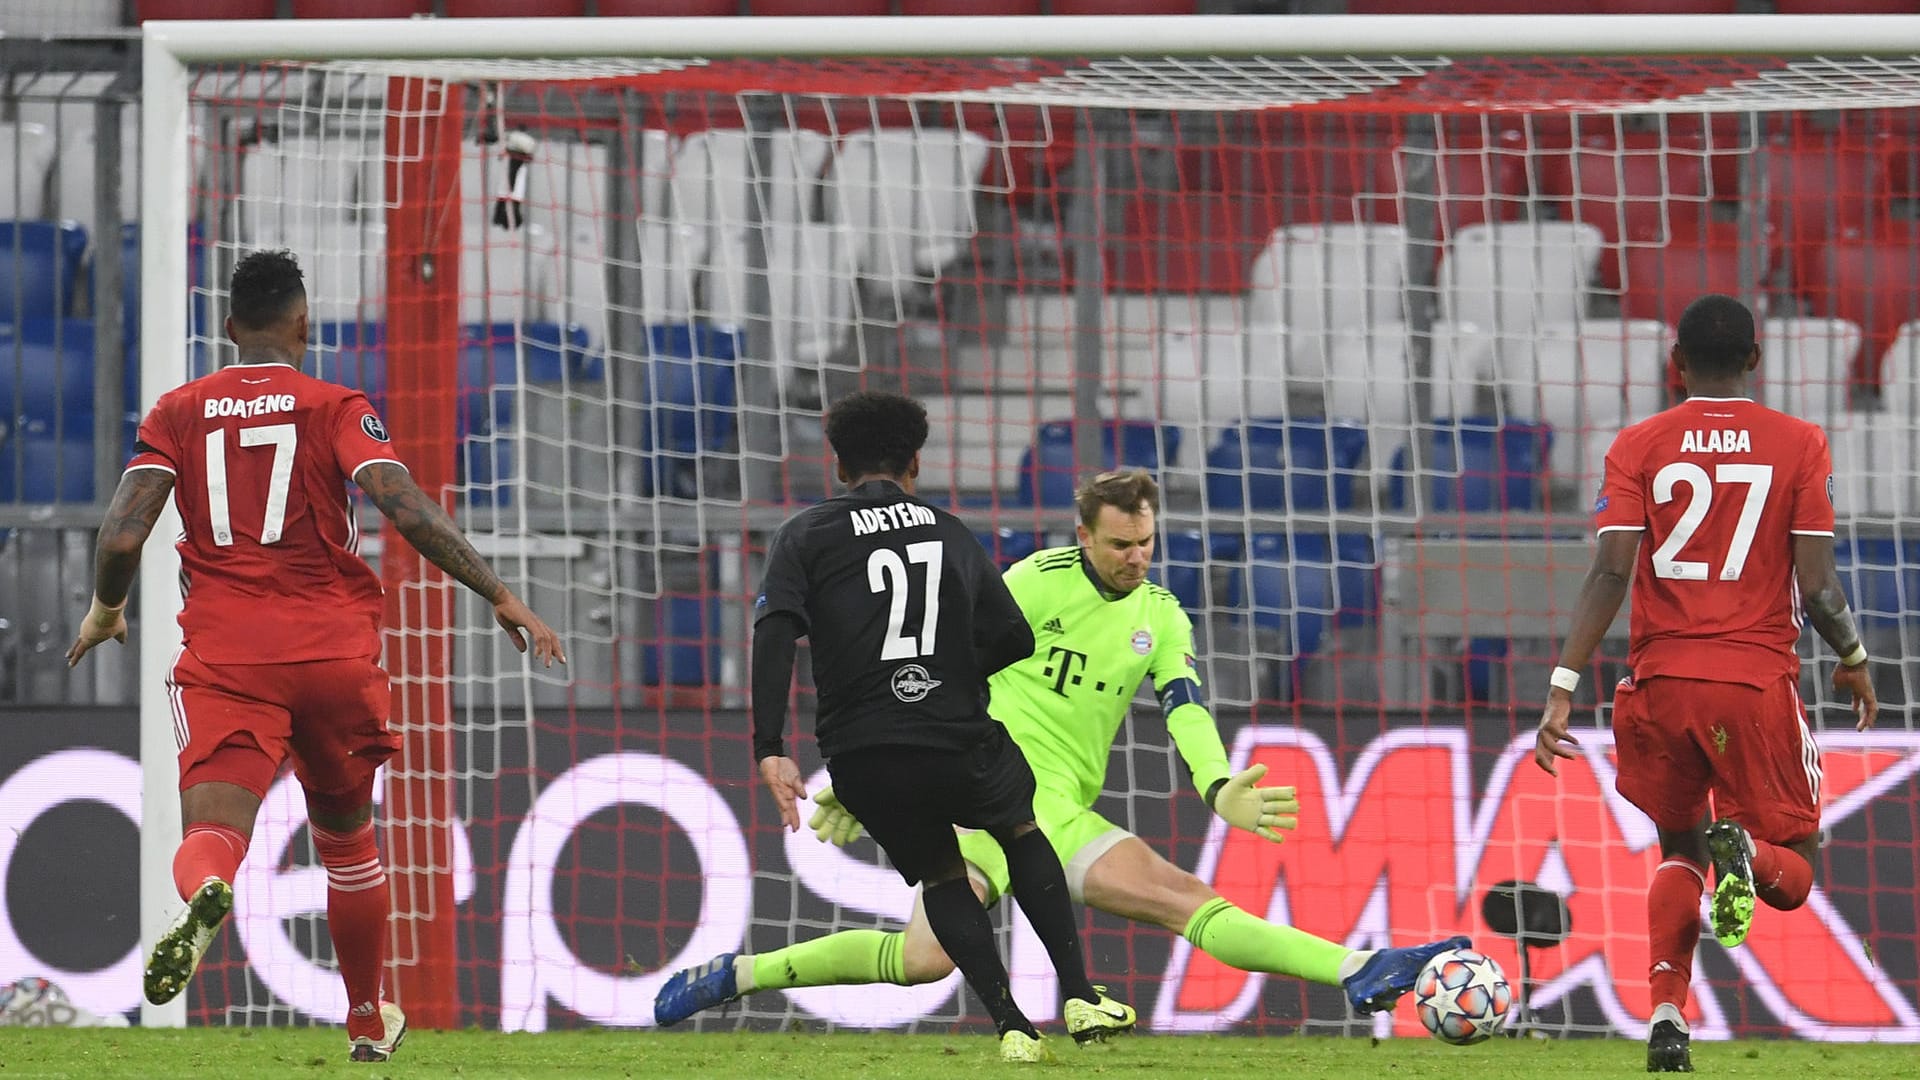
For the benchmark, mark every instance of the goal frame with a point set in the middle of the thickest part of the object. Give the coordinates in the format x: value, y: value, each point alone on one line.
x: 169, y: 47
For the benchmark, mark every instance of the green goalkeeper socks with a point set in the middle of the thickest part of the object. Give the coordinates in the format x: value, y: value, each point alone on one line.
x: 1240, y: 940
x: 848, y: 958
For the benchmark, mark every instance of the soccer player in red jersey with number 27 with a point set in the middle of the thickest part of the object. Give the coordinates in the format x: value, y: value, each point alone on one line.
x: 281, y: 624
x: 1720, y: 512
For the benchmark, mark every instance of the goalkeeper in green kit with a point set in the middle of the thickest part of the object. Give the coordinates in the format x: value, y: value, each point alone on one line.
x: 1100, y: 628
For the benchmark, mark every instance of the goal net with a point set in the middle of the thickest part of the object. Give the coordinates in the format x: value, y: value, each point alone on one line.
x: 1371, y: 317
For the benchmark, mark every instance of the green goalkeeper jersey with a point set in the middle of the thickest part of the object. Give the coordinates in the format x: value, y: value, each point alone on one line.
x: 1065, y: 703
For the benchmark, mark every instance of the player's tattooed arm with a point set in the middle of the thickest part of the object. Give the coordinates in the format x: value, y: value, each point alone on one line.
x: 428, y: 528
x: 1820, y: 591
x: 137, y: 504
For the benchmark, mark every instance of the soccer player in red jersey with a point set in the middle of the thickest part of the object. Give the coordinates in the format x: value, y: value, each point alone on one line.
x: 1720, y: 512
x: 281, y: 624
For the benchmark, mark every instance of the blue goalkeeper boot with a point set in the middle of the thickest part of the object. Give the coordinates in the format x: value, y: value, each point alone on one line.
x: 691, y: 990
x: 1388, y: 973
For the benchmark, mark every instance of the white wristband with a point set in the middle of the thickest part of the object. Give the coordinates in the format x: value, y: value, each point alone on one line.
x: 1855, y: 658
x: 1565, y: 679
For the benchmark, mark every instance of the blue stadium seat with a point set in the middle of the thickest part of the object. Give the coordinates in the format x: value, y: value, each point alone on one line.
x: 1881, y: 577
x: 1476, y: 465
x: 491, y: 355
x: 44, y: 269
x: 686, y: 650
x: 1184, y: 555
x: 1048, y: 474
x: 352, y: 354
x: 1302, y: 465
x: 692, y: 399
x: 1009, y: 546
x: 1309, y: 582
x: 46, y: 416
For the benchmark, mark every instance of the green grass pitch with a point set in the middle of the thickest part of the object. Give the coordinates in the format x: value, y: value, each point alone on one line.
x: 207, y: 1053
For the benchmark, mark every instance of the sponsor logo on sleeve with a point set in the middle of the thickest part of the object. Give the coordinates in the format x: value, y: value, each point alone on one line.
x: 375, y: 430
x: 1829, y: 489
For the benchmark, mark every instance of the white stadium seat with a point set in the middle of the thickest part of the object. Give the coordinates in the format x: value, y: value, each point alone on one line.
x: 1805, y: 366
x: 907, y: 194
x: 1586, y: 381
x: 1508, y: 277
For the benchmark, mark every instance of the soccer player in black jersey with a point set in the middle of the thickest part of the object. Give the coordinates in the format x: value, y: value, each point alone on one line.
x: 907, y: 617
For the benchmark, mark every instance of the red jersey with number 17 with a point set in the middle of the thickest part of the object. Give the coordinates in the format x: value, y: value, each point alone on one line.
x: 269, y: 553
x: 1719, y: 486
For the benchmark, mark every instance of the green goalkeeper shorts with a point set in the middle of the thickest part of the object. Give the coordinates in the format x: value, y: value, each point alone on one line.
x: 1079, y: 838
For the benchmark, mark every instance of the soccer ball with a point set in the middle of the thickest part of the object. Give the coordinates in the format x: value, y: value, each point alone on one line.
x: 1463, y: 997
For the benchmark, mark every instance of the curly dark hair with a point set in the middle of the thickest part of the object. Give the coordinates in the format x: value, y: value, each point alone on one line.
x: 264, y: 289
x: 876, y: 432
x: 1715, y: 335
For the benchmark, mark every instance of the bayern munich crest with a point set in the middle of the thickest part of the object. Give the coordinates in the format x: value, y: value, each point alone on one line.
x: 1143, y: 642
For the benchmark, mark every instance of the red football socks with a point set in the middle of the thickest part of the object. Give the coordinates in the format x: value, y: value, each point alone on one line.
x: 357, y: 921
x: 206, y: 851
x: 1781, y: 877
x: 1673, y: 929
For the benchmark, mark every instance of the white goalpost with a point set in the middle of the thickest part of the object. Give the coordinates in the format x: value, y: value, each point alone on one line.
x: 1369, y: 294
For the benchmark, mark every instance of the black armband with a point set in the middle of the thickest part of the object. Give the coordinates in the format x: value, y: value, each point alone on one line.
x: 1213, y: 790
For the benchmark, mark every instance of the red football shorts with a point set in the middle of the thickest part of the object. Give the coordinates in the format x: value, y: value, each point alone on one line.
x: 238, y: 723
x: 1679, y: 739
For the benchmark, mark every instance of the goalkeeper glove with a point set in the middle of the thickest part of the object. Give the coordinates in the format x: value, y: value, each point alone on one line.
x: 832, y: 823
x: 1261, y: 811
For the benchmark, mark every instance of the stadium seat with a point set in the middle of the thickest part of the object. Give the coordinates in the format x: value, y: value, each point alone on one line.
x: 49, y: 440
x: 1881, y: 576
x: 1805, y: 367
x: 1819, y: 190
x: 1478, y: 178
x: 496, y: 356
x: 1048, y: 473
x: 204, y: 9
x: 1120, y: 7
x: 1183, y: 558
x: 715, y: 180
x: 1302, y: 466
x: 692, y: 398
x: 1846, y: 7
x: 1871, y: 284
x: 1304, y: 170
x: 1659, y: 282
x: 1642, y: 190
x: 1312, y: 279
x: 39, y: 266
x: 361, y: 9
x: 352, y: 354
x: 1475, y: 465
x: 685, y: 650
x: 670, y: 8
x: 1309, y: 582
x: 1507, y: 278
x: 505, y: 9
x: 1009, y: 546
x: 972, y: 7
x: 820, y: 7
x: 1876, y: 455
x: 907, y: 195
x: 811, y: 284
x: 1585, y: 381
x: 1188, y: 242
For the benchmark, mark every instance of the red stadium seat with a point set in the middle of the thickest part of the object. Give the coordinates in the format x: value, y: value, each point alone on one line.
x: 972, y: 7
x: 1121, y: 7
x: 1871, y: 281
x: 1458, y: 7
x: 205, y: 9
x: 1664, y: 7
x: 1820, y: 189
x: 1659, y: 283
x: 672, y: 8
x: 1186, y: 243
x: 360, y: 9
x: 1473, y: 184
x: 820, y: 7
x: 1646, y: 190
x: 507, y: 9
